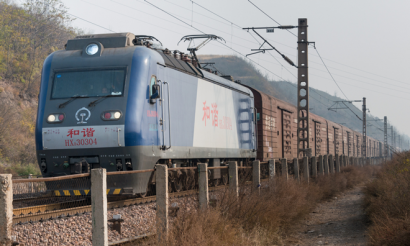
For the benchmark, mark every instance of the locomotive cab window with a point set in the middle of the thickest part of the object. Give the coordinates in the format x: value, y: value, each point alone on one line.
x: 90, y: 83
x: 153, y: 89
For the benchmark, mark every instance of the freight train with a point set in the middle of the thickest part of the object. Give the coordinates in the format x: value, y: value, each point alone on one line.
x: 116, y: 101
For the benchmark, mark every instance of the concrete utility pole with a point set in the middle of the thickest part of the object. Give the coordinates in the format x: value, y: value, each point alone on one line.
x: 364, y: 128
x: 303, y: 89
x: 385, y: 137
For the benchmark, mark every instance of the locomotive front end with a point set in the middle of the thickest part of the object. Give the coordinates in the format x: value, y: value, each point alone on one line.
x: 82, y: 112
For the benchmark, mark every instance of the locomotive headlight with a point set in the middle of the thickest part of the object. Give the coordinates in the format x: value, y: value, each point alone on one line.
x: 51, y: 118
x: 91, y: 49
x: 117, y: 115
x: 55, y: 118
x: 111, y: 115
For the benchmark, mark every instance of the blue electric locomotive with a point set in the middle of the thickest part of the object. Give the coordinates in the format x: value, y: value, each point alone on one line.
x: 114, y: 101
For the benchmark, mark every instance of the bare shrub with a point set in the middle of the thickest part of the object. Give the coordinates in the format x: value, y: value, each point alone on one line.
x: 388, y: 203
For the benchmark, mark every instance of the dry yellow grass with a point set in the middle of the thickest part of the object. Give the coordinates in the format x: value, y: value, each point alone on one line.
x: 265, y: 219
x: 388, y: 203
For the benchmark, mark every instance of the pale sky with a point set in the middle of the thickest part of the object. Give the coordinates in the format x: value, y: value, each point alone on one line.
x: 363, y: 43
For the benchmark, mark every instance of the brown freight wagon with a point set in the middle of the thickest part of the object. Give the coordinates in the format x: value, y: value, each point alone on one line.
x: 277, y: 132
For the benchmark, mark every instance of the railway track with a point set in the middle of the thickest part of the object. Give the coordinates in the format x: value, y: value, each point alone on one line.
x: 61, y: 210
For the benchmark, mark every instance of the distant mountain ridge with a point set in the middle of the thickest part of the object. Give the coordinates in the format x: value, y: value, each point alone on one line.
x: 319, y: 101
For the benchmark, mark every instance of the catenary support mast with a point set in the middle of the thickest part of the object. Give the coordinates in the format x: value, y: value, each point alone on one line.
x: 303, y: 89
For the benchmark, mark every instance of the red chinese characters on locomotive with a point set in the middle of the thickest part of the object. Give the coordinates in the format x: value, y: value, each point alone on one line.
x: 86, y: 133
x: 212, y: 114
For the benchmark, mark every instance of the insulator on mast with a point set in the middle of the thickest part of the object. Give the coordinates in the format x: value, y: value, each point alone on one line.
x: 288, y: 60
x: 286, y: 27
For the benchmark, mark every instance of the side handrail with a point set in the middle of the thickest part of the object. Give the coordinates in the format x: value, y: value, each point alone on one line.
x: 256, y: 128
x: 169, y: 117
x: 42, y: 138
x: 118, y: 136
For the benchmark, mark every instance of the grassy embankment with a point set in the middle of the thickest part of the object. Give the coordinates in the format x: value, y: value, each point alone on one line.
x: 265, y: 219
x: 388, y: 203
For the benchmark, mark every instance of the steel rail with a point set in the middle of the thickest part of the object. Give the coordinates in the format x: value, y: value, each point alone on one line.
x: 15, y: 181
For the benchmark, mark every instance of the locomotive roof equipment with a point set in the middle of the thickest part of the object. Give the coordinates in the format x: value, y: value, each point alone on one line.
x: 190, y: 38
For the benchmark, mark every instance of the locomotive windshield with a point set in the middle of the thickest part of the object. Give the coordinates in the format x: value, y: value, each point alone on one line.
x: 94, y: 83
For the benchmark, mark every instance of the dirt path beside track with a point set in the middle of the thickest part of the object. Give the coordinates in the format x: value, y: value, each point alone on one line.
x: 340, y: 221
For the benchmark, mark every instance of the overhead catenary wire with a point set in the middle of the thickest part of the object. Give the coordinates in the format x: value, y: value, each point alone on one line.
x: 91, y: 22
x: 293, y: 48
x: 223, y: 44
x: 237, y: 26
x: 270, y: 17
x: 220, y: 43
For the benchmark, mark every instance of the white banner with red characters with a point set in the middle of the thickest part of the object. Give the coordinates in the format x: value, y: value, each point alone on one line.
x: 215, y: 119
x: 83, y: 137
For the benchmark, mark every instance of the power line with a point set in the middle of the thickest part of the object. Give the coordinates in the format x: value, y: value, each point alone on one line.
x: 330, y: 74
x: 216, y: 14
x: 91, y: 22
x: 270, y: 17
x: 292, y: 47
x: 250, y: 41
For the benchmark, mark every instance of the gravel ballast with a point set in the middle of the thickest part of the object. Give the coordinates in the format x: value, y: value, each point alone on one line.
x: 76, y: 230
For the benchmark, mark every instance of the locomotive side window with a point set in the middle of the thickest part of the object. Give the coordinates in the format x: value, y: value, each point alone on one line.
x: 94, y: 83
x: 151, y: 86
x: 153, y: 90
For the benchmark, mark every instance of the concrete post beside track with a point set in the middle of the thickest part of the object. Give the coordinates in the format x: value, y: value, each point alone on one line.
x: 314, y: 166
x: 233, y: 178
x: 6, y: 209
x: 161, y: 180
x: 306, y: 168
x: 331, y: 164
x: 326, y: 163
x: 99, y: 207
x: 296, y: 168
x: 321, y: 167
x: 256, y: 176
x: 203, y: 195
x: 337, y: 159
x: 285, y: 168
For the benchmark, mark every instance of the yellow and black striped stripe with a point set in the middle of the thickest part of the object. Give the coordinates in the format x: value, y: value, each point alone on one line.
x: 85, y: 192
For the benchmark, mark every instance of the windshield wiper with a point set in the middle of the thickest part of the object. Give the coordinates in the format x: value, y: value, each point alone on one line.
x: 70, y: 100
x: 93, y: 103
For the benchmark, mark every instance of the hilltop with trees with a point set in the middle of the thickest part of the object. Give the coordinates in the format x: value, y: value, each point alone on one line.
x: 28, y: 34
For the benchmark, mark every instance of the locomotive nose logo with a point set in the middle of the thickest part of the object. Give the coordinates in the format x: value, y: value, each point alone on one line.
x: 82, y: 115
